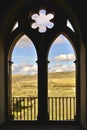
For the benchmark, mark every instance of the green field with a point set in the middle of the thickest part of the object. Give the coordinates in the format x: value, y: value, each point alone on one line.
x: 59, y: 84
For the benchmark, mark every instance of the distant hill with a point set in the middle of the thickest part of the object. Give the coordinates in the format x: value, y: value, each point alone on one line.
x: 62, y: 75
x: 50, y: 75
x: 23, y: 78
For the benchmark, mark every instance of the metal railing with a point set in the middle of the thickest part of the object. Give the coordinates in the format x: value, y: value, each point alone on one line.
x: 62, y: 108
x: 59, y: 108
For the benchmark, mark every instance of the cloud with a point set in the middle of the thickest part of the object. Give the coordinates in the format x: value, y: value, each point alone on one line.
x: 23, y: 42
x: 65, y: 57
x: 24, y: 69
x: 62, y: 68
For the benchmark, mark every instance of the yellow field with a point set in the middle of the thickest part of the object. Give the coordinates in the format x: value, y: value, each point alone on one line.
x: 59, y: 84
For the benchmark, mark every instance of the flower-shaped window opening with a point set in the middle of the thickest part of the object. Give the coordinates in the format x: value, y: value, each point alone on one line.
x: 42, y: 21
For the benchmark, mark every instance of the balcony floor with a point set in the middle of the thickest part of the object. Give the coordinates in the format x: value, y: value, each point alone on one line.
x: 40, y: 127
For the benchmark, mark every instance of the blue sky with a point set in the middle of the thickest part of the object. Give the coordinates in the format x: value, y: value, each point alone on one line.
x: 61, y: 54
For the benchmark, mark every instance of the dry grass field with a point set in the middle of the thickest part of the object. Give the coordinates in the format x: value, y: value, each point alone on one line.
x: 59, y: 84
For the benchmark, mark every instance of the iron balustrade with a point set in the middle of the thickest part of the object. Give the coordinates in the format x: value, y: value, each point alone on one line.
x: 62, y: 108
x: 59, y: 108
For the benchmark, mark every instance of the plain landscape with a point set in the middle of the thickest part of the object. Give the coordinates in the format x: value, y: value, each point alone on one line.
x: 60, y: 84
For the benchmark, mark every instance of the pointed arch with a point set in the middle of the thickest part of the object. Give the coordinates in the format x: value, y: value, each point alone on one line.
x: 61, y: 78
x: 22, y: 71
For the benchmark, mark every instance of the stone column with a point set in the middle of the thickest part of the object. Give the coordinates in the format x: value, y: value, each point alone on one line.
x: 42, y: 90
x: 10, y: 89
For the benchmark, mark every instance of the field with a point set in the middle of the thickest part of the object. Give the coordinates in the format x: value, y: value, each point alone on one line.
x: 59, y: 84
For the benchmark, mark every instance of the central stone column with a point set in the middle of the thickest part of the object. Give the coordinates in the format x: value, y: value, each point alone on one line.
x: 43, y: 116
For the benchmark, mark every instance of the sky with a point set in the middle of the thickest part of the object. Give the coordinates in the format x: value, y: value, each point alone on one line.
x: 61, y: 54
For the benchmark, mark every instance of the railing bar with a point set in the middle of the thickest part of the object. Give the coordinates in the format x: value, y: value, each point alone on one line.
x: 15, y: 111
x: 31, y: 107
x: 63, y: 108
x: 12, y: 109
x: 59, y: 109
x: 20, y: 108
x: 17, y: 108
x: 70, y: 108
x: 27, y: 107
x: 36, y: 105
x: 74, y: 106
x: 56, y: 108
x: 23, y: 109
x: 66, y: 108
x: 34, y: 109
x: 52, y: 108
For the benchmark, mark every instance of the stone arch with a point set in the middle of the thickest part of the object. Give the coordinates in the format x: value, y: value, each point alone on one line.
x: 10, y: 62
x: 75, y: 61
x: 6, y: 28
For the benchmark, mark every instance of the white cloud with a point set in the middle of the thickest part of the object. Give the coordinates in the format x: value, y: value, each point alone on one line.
x: 65, y: 57
x: 24, y: 41
x: 62, y: 68
x: 24, y: 69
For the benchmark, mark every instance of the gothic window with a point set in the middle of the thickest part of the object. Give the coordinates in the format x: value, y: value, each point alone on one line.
x: 62, y: 80
x: 24, y: 80
x: 44, y: 86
